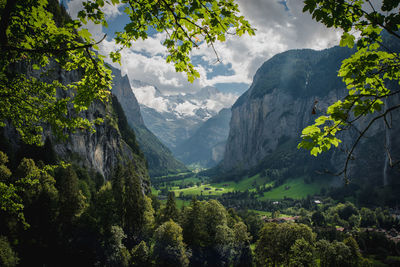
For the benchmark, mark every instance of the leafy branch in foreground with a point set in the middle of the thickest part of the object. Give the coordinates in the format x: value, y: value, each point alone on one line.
x: 187, y: 24
x: 51, y: 71
x: 34, y: 49
x: 366, y: 73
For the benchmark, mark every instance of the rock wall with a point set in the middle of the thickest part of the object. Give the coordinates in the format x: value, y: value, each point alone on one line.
x: 268, y: 119
x: 101, y: 150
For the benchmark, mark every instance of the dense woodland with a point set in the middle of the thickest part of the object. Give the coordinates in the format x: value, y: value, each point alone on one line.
x: 59, y: 212
x: 72, y: 217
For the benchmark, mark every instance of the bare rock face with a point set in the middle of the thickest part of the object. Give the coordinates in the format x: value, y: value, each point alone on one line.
x: 267, y: 120
x: 159, y: 158
x: 123, y: 91
x: 101, y: 150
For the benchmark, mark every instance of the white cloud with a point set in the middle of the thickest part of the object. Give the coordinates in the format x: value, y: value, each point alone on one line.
x: 186, y: 109
x: 220, y: 101
x: 278, y: 29
x: 110, y: 11
x: 146, y: 95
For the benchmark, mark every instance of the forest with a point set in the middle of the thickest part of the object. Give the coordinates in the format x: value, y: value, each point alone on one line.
x: 75, y: 188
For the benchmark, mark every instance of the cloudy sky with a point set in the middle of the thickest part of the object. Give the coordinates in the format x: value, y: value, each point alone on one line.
x: 280, y: 25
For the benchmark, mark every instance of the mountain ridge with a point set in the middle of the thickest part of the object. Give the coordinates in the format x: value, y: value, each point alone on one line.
x: 267, y: 120
x: 174, y: 118
x: 205, y: 147
x: 159, y: 158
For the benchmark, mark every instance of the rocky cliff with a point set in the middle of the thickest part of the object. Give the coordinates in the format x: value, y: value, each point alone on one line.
x: 268, y: 119
x: 159, y: 158
x: 101, y: 150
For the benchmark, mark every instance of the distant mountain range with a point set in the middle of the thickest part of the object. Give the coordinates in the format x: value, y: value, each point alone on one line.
x: 206, y: 146
x: 176, y: 118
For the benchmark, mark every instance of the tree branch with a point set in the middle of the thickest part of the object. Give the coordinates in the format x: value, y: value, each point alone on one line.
x: 49, y: 50
x: 350, y: 154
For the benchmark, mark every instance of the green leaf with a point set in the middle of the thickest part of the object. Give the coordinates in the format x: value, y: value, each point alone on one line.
x: 347, y: 40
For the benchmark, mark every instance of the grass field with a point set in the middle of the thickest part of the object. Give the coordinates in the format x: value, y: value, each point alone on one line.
x: 293, y: 188
x: 246, y: 184
x: 296, y: 189
x: 180, y: 203
x: 223, y: 187
x: 201, y: 190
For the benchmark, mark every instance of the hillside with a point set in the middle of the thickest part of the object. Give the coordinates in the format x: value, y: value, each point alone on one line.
x: 159, y: 158
x: 206, y: 146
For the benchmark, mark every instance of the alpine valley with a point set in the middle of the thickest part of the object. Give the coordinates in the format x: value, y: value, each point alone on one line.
x: 101, y: 167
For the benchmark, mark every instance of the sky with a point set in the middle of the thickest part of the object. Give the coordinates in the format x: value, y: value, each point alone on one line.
x: 280, y: 26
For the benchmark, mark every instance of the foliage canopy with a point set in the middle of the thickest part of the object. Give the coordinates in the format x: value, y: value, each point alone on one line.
x: 36, y: 47
x: 367, y: 73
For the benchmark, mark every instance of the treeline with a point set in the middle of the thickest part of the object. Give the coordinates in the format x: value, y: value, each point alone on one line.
x: 70, y: 216
x: 156, y: 181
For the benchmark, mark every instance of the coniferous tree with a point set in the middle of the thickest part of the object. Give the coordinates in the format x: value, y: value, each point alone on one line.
x: 169, y: 249
x: 70, y: 197
x: 170, y: 211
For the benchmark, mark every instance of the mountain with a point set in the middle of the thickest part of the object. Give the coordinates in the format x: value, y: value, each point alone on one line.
x: 267, y: 121
x: 112, y: 143
x: 159, y: 158
x: 174, y: 118
x: 207, y: 145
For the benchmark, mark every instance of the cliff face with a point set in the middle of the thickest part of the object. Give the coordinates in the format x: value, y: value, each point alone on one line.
x: 101, y: 150
x: 268, y: 119
x: 123, y: 91
x: 159, y: 158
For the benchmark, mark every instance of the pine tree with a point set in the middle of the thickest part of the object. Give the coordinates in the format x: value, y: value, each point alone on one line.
x: 170, y: 212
